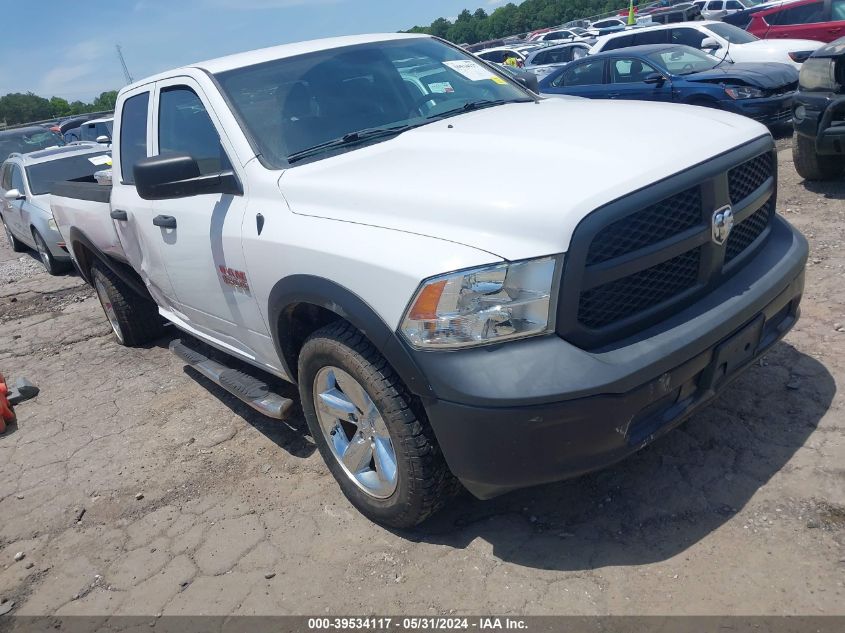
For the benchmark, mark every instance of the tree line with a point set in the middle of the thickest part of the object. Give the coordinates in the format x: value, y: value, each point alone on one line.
x: 511, y: 19
x: 16, y: 107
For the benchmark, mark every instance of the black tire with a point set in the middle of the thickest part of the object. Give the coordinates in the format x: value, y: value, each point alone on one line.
x: 812, y: 166
x: 424, y: 482
x: 15, y: 243
x: 51, y: 265
x: 135, y: 320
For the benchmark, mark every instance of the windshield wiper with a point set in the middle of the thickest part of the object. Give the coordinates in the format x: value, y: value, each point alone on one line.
x: 469, y: 106
x: 350, y: 139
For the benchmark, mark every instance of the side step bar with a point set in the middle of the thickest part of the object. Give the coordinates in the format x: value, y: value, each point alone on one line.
x: 243, y: 386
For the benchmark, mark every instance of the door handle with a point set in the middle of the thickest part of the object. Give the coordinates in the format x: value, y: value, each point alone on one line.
x: 117, y: 214
x: 165, y: 221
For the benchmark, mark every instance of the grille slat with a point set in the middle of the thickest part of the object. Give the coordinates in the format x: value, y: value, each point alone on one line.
x: 613, y: 301
x: 744, y: 233
x: 745, y: 178
x: 649, y: 226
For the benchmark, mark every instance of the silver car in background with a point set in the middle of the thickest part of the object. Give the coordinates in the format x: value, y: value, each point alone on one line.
x: 546, y: 60
x: 26, y: 181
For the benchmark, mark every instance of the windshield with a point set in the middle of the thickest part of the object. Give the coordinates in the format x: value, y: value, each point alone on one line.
x: 732, y: 33
x: 28, y: 141
x: 78, y: 168
x: 93, y: 131
x: 683, y: 60
x: 298, y: 103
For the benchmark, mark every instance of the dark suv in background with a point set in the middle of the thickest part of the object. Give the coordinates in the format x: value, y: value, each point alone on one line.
x: 818, y: 150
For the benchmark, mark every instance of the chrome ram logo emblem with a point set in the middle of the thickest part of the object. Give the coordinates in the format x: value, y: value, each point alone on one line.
x: 723, y: 222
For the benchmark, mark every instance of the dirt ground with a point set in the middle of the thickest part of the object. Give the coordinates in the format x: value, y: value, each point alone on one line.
x: 132, y: 486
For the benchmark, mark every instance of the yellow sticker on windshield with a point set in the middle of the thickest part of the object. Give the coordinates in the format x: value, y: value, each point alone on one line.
x: 499, y: 80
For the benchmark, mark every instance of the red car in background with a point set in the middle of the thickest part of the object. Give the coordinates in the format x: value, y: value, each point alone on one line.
x: 822, y: 20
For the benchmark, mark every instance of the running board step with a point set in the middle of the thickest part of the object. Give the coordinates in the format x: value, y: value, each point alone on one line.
x: 243, y: 386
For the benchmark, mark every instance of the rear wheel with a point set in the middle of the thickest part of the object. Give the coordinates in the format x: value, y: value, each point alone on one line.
x: 52, y: 266
x: 812, y: 166
x: 14, y: 242
x: 374, y: 439
x: 134, y: 319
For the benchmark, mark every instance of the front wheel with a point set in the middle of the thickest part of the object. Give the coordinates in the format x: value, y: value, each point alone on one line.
x: 51, y: 265
x: 14, y: 242
x: 813, y: 166
x: 374, y: 439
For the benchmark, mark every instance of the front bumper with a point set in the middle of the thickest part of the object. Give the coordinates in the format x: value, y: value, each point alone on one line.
x: 541, y: 410
x: 822, y: 116
x: 766, y: 110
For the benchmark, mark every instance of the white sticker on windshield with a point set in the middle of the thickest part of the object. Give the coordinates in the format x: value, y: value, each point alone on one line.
x: 470, y: 69
x: 103, y: 159
x: 441, y: 87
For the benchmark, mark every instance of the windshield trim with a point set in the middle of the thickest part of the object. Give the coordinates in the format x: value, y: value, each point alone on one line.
x: 253, y: 143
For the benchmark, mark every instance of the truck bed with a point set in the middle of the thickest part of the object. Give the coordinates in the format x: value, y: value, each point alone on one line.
x: 86, y: 206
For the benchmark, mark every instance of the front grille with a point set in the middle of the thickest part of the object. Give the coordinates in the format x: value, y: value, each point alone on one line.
x: 642, y: 258
x: 781, y: 90
x: 624, y: 297
x: 744, y: 233
x: 649, y: 226
x: 745, y: 178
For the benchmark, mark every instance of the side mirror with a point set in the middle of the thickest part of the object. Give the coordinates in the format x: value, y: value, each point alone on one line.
x: 709, y: 44
x: 655, y: 78
x: 178, y: 176
x: 531, y: 82
x: 13, y: 194
x: 104, y: 140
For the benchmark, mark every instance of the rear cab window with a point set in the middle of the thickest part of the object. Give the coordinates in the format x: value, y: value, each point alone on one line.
x: 133, y: 135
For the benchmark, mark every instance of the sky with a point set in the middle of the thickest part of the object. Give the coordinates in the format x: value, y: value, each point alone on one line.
x: 67, y: 49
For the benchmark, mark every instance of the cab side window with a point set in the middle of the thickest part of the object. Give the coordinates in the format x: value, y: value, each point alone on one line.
x: 17, y: 179
x: 184, y: 127
x: 133, y: 135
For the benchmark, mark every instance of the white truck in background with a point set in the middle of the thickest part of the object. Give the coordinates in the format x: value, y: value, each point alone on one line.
x: 335, y: 213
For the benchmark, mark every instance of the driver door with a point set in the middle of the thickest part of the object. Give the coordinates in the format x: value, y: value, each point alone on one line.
x: 627, y: 79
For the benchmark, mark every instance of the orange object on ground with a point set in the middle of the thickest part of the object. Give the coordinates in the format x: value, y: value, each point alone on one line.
x: 6, y: 413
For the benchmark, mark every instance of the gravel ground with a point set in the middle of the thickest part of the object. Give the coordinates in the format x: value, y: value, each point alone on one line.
x: 132, y: 486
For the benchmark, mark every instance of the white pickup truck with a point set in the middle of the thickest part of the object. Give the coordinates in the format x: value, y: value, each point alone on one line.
x: 344, y: 214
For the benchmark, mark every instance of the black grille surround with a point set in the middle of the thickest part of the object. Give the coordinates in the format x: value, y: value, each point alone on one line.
x: 644, y: 257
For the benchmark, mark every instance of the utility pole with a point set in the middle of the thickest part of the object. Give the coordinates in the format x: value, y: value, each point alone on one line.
x: 126, y: 74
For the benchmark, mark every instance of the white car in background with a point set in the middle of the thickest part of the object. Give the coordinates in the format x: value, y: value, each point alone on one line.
x: 717, y: 9
x: 97, y: 131
x: 499, y: 54
x: 717, y: 38
x: 562, y: 35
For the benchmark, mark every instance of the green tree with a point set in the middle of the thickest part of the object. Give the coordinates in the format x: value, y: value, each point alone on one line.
x: 18, y: 108
x: 59, y: 107
x: 511, y: 19
x: 105, y: 101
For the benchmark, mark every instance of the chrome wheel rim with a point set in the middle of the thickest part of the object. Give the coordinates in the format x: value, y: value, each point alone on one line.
x: 108, y: 308
x: 355, y: 432
x: 41, y: 247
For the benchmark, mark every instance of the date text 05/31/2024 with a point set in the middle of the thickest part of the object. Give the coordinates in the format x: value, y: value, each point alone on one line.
x: 416, y: 623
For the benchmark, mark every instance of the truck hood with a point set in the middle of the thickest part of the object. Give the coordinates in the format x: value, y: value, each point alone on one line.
x: 513, y: 180
x: 771, y: 75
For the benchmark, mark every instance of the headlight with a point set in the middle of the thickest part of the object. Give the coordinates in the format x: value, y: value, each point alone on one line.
x: 817, y: 73
x: 51, y: 224
x: 743, y: 92
x: 483, y: 305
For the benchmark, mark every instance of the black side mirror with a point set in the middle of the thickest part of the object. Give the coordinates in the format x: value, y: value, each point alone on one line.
x: 528, y: 80
x: 655, y: 78
x: 178, y: 176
